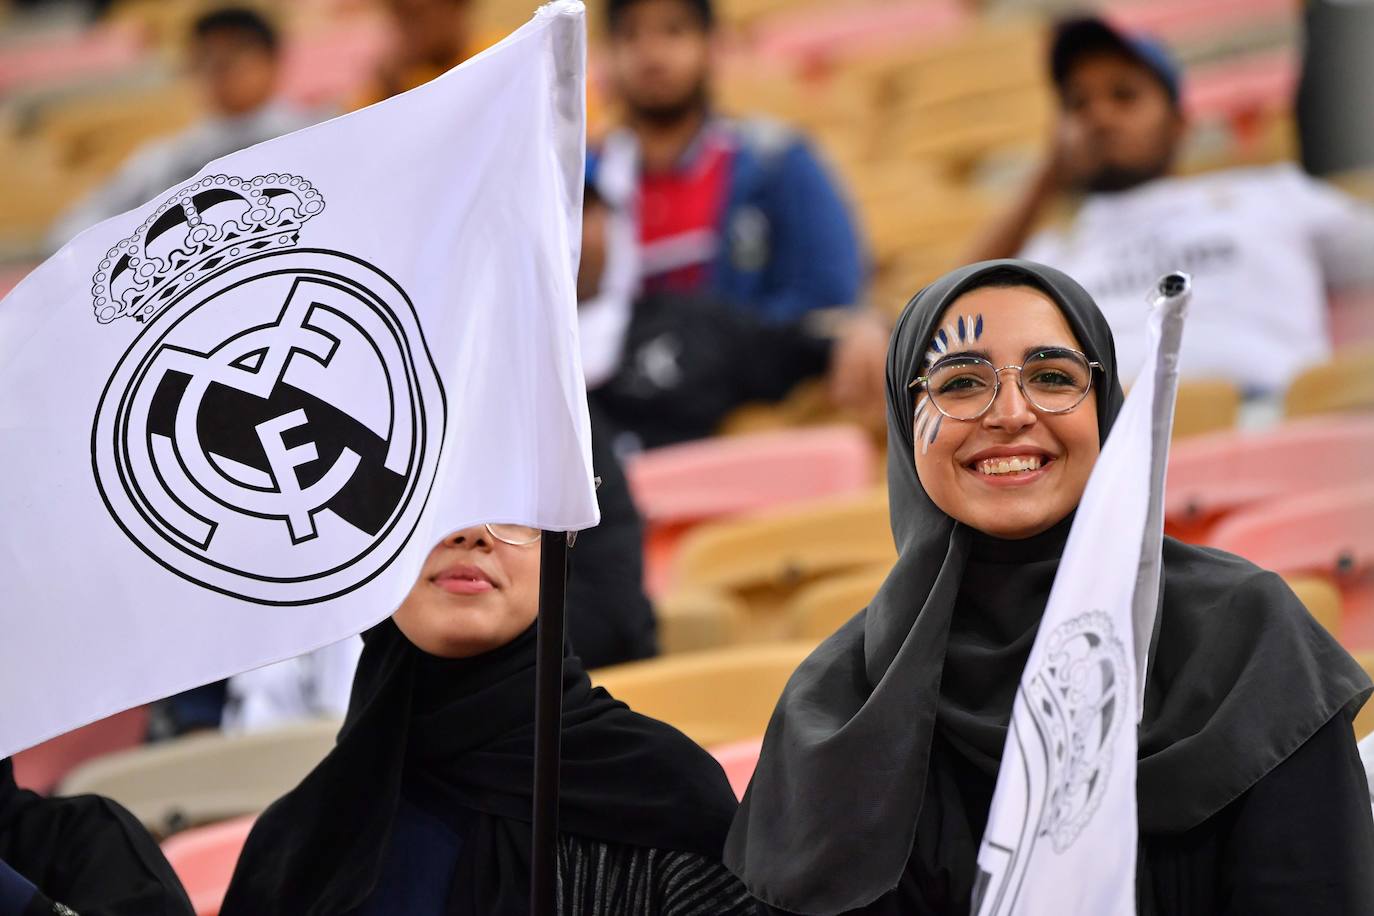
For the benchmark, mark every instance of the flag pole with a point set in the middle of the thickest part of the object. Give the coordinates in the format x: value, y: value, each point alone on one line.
x: 548, y: 711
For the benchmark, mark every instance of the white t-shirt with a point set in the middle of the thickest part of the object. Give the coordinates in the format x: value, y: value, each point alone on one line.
x: 1263, y: 245
x: 311, y: 686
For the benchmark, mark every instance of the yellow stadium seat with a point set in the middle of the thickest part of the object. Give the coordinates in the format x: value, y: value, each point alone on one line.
x: 205, y: 778
x: 1364, y: 720
x: 1344, y: 384
x: 1321, y: 598
x: 712, y: 697
x: 1204, y: 406
x: 700, y: 618
x: 765, y: 558
x: 821, y: 608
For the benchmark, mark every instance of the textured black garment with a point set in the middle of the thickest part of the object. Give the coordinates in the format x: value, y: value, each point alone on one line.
x: 462, y: 732
x: 850, y: 787
x: 688, y: 361
x: 609, y: 618
x: 86, y: 853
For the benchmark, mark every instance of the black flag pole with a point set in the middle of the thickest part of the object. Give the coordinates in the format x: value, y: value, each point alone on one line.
x: 548, y: 714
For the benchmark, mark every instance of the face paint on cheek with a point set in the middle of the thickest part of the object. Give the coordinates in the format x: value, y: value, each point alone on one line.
x: 963, y: 330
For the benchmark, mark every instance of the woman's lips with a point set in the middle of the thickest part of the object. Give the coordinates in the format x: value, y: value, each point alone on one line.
x: 464, y: 580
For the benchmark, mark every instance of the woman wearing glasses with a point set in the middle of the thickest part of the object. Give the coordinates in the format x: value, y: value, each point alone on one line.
x: 878, y: 769
x: 424, y: 805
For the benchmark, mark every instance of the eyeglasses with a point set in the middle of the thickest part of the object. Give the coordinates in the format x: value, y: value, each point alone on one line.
x: 1054, y: 380
x: 514, y: 535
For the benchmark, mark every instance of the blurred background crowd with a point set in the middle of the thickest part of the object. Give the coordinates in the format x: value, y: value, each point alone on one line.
x: 769, y: 181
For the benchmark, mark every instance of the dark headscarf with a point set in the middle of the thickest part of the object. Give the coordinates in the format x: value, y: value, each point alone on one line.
x: 462, y: 732
x: 87, y: 853
x: 1240, y: 675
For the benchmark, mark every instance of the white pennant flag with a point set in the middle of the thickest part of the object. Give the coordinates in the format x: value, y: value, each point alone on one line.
x: 234, y: 421
x: 1061, y: 834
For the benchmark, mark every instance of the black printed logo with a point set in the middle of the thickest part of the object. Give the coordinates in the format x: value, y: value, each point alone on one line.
x: 274, y: 430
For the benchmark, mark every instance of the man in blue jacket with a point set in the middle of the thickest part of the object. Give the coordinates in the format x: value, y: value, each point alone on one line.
x: 740, y: 210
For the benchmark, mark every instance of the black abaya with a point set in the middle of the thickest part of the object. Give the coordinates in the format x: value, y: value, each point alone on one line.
x: 86, y: 854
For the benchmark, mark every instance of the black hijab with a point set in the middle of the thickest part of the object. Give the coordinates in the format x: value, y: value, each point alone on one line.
x: 87, y: 853
x: 462, y: 731
x: 1240, y: 675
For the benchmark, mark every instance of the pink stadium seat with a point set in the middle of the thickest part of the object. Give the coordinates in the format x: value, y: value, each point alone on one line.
x: 204, y: 860
x: 1187, y: 20
x: 1213, y: 475
x: 42, y: 767
x: 69, y: 56
x: 332, y: 66
x: 11, y: 274
x: 846, y: 30
x: 1328, y: 533
x: 681, y: 485
x: 1253, y: 85
x: 738, y: 761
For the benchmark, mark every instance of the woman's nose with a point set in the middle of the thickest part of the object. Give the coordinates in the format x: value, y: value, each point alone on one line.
x: 1010, y: 411
x: 475, y: 538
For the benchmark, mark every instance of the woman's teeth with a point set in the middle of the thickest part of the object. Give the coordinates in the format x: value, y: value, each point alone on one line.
x: 1013, y: 465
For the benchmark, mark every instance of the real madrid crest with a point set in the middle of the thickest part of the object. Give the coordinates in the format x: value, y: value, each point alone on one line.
x: 273, y: 431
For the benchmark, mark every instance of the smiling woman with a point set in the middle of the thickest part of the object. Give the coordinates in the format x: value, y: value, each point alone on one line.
x: 423, y: 807
x: 872, y: 791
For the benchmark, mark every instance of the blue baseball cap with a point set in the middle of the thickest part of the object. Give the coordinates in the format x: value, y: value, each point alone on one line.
x: 1074, y: 38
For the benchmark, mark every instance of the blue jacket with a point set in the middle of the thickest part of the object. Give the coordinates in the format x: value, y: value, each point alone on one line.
x: 789, y: 241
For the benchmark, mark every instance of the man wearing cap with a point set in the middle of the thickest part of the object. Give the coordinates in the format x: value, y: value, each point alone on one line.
x: 1264, y: 244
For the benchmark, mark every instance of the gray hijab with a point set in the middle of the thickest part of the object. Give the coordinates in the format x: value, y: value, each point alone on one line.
x: 830, y: 819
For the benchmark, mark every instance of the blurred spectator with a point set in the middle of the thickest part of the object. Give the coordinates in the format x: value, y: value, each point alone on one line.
x: 668, y: 366
x: 1264, y: 244
x: 431, y: 38
x: 234, y: 58
x: 1336, y: 95
x: 311, y: 686
x: 740, y: 210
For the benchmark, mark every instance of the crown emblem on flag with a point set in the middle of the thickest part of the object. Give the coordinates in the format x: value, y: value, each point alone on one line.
x: 201, y: 229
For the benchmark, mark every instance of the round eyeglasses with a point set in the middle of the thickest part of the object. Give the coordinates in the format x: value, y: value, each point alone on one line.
x: 514, y: 535
x: 1054, y: 380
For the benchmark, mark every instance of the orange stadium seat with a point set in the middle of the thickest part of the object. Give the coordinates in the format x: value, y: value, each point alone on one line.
x: 1328, y: 533
x: 1216, y: 474
x: 1343, y: 385
x: 43, y: 766
x: 204, y: 859
x: 681, y: 485
x: 738, y: 761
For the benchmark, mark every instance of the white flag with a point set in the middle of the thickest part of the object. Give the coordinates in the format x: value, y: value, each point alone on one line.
x: 234, y: 421
x: 1061, y: 834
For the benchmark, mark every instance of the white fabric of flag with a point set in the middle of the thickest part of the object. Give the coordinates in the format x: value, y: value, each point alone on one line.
x: 234, y: 421
x: 1062, y: 830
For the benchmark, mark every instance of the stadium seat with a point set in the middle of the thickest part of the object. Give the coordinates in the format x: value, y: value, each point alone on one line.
x: 204, y: 859
x: 678, y: 486
x: 1205, y: 406
x: 715, y: 697
x: 822, y: 607
x: 1213, y: 475
x: 203, y: 778
x: 698, y: 618
x: 1364, y: 720
x: 1329, y: 533
x: 764, y: 558
x: 1343, y: 385
x: 1322, y: 600
x: 43, y: 766
x: 738, y: 760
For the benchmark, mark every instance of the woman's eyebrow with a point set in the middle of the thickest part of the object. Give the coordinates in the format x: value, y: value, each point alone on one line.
x: 1041, y: 348
x: 956, y: 354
